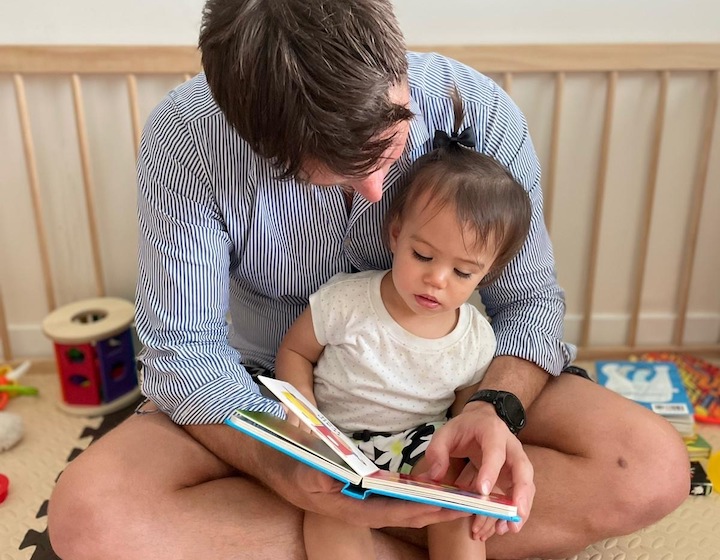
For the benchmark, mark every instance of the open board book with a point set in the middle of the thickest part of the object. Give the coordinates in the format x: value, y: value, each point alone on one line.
x: 330, y: 451
x: 655, y: 385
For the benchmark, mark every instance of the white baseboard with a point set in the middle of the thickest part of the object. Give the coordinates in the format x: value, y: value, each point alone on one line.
x: 654, y: 329
x: 28, y: 341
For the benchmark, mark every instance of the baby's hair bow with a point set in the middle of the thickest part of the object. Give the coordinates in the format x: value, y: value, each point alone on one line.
x: 444, y: 140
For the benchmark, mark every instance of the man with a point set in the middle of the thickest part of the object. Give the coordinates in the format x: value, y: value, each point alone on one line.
x: 258, y: 181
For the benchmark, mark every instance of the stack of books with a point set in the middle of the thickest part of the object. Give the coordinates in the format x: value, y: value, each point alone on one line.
x: 700, y: 484
x: 698, y: 447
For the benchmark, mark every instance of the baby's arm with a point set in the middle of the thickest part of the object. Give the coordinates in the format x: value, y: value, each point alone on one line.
x: 461, y: 398
x: 298, y: 353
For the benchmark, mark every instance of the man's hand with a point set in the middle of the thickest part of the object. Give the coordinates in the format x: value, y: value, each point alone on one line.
x: 496, y: 455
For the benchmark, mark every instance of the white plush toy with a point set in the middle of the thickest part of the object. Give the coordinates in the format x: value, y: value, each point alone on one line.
x: 11, y: 425
x: 11, y: 430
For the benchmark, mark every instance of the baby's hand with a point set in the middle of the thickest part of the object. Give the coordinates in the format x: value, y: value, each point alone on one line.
x: 483, y: 527
x: 293, y: 419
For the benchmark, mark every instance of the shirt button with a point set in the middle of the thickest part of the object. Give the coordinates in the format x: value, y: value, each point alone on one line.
x: 347, y: 241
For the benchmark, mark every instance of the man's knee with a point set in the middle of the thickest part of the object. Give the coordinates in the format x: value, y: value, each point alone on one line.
x: 650, y: 481
x: 77, y: 516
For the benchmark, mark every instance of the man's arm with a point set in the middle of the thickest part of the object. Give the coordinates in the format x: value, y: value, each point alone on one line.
x: 522, y: 378
x: 190, y: 371
x: 525, y: 304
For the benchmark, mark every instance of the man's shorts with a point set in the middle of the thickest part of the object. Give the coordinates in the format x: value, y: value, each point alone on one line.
x: 396, y: 452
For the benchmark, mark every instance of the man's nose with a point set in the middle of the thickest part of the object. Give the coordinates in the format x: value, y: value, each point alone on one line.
x: 370, y: 187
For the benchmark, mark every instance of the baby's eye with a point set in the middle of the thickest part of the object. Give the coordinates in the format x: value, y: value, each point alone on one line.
x: 420, y: 257
x: 461, y: 274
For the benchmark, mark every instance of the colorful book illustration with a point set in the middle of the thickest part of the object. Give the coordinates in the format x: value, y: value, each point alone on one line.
x: 328, y: 450
x: 655, y: 385
x: 701, y: 379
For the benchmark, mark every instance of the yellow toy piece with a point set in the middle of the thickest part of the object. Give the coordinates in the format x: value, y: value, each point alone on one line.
x: 713, y: 470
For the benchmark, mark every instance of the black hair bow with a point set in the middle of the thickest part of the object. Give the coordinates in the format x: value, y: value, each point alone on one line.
x: 444, y: 140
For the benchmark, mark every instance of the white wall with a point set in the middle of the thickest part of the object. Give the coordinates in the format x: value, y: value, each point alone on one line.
x: 424, y: 21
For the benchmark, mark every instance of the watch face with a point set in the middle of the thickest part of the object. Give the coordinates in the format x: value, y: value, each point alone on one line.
x: 513, y: 410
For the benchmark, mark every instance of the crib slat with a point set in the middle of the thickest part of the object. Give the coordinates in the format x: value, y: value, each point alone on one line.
x: 650, y: 190
x: 134, y: 110
x: 549, y: 186
x: 599, y: 201
x: 507, y: 82
x: 88, y: 185
x: 691, y: 236
x: 34, y: 183
x: 7, y: 353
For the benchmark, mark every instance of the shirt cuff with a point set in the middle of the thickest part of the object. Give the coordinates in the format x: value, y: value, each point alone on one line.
x: 215, y: 401
x: 546, y: 351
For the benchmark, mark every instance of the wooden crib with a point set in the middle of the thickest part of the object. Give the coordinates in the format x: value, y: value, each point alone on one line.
x: 626, y: 135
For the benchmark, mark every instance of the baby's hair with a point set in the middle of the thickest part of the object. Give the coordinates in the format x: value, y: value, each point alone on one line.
x: 488, y: 200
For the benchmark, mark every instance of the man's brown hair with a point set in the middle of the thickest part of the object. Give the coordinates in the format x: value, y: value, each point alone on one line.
x: 307, y: 80
x: 488, y: 200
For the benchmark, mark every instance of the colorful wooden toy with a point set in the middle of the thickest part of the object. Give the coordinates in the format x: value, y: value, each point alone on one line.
x: 94, y: 354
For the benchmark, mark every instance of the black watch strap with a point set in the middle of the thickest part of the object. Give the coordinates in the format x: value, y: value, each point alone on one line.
x: 507, y: 406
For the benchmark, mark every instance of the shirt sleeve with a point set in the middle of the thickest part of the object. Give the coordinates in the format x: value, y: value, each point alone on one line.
x: 189, y: 369
x: 526, y: 304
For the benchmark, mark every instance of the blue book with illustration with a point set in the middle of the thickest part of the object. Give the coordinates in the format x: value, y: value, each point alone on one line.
x: 657, y: 386
x: 330, y: 451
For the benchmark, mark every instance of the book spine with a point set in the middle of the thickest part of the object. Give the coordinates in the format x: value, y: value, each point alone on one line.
x: 700, y: 488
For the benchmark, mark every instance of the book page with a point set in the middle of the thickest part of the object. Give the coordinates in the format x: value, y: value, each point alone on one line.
x: 492, y: 503
x: 293, y: 441
x: 320, y: 426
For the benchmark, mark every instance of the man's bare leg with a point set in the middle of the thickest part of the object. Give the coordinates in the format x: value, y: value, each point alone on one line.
x: 604, y: 466
x: 148, y: 490
x: 327, y: 538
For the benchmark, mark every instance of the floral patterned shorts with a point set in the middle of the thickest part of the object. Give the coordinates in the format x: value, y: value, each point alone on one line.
x: 396, y: 452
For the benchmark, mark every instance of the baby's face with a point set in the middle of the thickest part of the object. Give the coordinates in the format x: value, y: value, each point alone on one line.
x: 436, y: 263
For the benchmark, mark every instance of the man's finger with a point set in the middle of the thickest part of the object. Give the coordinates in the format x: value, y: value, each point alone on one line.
x: 522, y: 473
x: 437, y: 455
x: 466, y: 479
x: 493, y: 459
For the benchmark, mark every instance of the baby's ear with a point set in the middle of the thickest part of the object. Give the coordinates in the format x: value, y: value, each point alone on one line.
x: 393, y: 233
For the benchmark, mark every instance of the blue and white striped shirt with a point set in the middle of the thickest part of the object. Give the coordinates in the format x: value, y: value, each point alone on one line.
x: 220, y: 234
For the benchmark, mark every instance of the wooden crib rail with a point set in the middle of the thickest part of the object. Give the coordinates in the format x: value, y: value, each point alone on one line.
x: 509, y: 65
x: 487, y: 58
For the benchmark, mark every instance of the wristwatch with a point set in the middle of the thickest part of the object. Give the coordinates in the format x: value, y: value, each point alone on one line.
x: 508, y: 407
